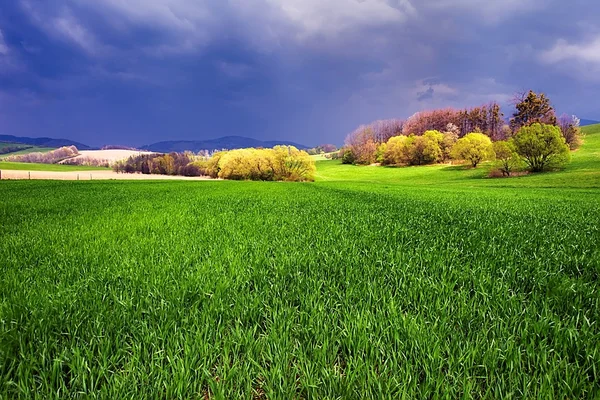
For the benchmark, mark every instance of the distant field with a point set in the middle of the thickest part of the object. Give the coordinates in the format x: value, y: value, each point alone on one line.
x: 46, y: 167
x: 419, y: 282
x: 110, y: 155
x: 26, y: 149
x: 583, y: 171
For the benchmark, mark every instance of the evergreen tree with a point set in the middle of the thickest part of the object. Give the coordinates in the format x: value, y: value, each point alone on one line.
x: 531, y: 109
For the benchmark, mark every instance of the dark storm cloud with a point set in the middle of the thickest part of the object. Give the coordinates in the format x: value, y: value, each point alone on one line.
x: 135, y: 72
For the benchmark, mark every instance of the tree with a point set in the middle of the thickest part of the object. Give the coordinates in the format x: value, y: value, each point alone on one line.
x: 569, y: 127
x: 423, y: 121
x: 507, y: 159
x: 384, y: 129
x: 421, y: 150
x: 542, y: 147
x: 395, y: 151
x: 363, y: 145
x: 380, y: 155
x: 292, y: 164
x: 474, y: 147
x: 449, y: 138
x: 532, y: 108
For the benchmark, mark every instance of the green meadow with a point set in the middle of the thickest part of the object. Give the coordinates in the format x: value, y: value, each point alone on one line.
x: 21, y: 166
x: 372, y: 282
x: 22, y: 149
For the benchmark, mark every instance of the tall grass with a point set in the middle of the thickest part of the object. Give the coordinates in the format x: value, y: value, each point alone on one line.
x: 335, y: 289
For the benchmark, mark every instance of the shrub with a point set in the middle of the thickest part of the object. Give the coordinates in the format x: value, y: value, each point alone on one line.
x: 280, y: 163
x: 474, y: 148
x: 413, y: 150
x: 347, y: 155
x: 542, y: 147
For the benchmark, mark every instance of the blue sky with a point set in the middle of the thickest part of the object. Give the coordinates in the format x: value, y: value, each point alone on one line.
x: 140, y: 71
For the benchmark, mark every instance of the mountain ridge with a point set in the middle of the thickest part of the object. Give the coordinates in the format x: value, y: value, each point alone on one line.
x: 43, y: 141
x: 225, y: 142
x: 586, y: 122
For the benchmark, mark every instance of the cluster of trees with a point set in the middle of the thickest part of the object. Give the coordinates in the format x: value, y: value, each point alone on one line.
x: 281, y: 163
x: 431, y: 147
x: 362, y: 145
x: 486, y: 118
x: 51, y: 157
x: 159, y: 164
x: 538, y: 146
x: 87, y: 161
x: 322, y: 149
x: 534, y: 137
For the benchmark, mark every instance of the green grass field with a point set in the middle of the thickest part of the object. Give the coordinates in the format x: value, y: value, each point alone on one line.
x: 26, y: 149
x: 47, y: 167
x: 424, y: 282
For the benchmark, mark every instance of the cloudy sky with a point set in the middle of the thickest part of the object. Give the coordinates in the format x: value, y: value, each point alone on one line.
x: 139, y: 71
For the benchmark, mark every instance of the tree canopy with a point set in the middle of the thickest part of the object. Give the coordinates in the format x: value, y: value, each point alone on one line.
x: 533, y: 108
x: 542, y: 146
x: 474, y: 147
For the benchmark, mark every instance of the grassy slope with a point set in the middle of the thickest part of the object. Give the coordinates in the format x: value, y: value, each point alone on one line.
x: 583, y: 172
x: 27, y: 150
x: 46, y: 167
x: 371, y: 283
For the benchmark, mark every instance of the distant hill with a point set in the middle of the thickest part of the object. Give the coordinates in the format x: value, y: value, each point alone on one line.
x: 227, y: 142
x: 585, y: 122
x: 43, y: 142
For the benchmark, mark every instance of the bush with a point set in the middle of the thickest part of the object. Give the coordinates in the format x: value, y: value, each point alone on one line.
x: 474, y: 148
x: 507, y: 159
x: 413, y: 150
x: 282, y: 163
x: 347, y: 155
x: 542, y: 147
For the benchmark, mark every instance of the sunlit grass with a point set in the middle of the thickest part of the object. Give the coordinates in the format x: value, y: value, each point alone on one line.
x: 27, y: 150
x: 404, y: 284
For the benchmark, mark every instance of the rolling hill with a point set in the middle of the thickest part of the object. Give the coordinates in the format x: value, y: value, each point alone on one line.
x: 43, y: 142
x: 227, y: 142
x: 586, y: 122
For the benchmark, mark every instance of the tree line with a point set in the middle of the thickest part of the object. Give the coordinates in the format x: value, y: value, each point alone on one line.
x: 281, y: 163
x: 533, y: 137
x: 51, y: 157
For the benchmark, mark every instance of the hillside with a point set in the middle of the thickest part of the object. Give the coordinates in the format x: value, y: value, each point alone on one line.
x: 586, y: 122
x: 582, y: 171
x: 415, y: 282
x: 43, y: 142
x: 226, y: 142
